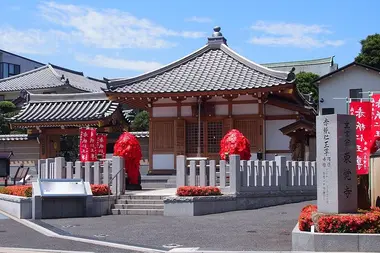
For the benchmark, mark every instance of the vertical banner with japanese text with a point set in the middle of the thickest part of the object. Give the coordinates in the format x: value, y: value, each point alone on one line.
x: 101, y: 145
x: 84, y: 144
x: 93, y: 142
x: 362, y: 111
x: 375, y: 124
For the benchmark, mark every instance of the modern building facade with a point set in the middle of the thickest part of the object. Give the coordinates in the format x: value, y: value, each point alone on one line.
x: 12, y: 64
x: 353, y: 81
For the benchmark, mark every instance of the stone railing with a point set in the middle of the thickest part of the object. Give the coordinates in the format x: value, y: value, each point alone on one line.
x: 238, y: 176
x: 100, y: 172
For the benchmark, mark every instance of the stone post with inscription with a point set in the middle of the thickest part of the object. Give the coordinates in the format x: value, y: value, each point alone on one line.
x: 336, y: 164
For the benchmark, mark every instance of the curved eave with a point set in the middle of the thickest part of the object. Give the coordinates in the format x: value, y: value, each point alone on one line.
x: 45, y: 124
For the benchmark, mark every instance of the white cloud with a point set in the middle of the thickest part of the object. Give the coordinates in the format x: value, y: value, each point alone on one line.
x: 111, y: 28
x: 199, y: 19
x: 30, y: 41
x: 291, y: 34
x: 117, y: 63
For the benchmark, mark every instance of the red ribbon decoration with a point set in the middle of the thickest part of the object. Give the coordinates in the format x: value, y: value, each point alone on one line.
x: 362, y: 111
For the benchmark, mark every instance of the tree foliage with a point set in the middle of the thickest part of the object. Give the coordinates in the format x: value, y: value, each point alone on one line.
x: 141, y: 122
x: 370, y: 52
x: 304, y: 81
x: 7, y: 110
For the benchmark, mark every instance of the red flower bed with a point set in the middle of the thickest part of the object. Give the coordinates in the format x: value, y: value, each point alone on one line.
x: 304, y: 220
x: 235, y: 143
x: 99, y: 189
x: 198, y: 191
x: 368, y: 222
x: 17, y: 190
x: 362, y: 222
x: 26, y: 190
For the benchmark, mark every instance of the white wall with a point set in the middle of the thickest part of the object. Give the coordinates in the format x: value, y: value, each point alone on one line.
x: 274, y: 138
x: 164, y: 111
x: 245, y: 109
x: 274, y: 110
x: 25, y: 64
x: 339, y: 85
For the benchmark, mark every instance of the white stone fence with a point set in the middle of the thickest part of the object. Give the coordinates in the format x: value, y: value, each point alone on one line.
x: 238, y: 176
x: 100, y: 172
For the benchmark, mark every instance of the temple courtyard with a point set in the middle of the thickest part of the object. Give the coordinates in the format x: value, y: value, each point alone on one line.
x: 266, y: 229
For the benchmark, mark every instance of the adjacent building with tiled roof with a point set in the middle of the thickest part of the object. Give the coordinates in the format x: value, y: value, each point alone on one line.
x: 320, y: 66
x: 217, y: 89
x: 52, y: 110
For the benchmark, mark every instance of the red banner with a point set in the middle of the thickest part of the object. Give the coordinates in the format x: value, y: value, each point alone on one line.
x: 84, y: 145
x: 93, y: 148
x: 102, y: 145
x: 362, y: 111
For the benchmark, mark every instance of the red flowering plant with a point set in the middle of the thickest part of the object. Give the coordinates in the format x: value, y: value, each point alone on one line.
x: 198, y: 191
x: 128, y: 147
x: 17, y: 190
x: 99, y: 189
x: 26, y: 190
x: 304, y: 221
x: 368, y: 222
x: 235, y: 143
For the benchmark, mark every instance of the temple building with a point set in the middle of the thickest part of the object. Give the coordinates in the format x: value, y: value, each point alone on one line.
x: 195, y: 100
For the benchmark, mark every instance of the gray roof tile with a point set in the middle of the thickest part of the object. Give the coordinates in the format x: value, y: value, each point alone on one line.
x: 65, y: 107
x: 49, y: 76
x: 211, y: 68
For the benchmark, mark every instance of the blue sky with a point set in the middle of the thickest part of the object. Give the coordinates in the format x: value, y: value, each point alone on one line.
x: 126, y: 38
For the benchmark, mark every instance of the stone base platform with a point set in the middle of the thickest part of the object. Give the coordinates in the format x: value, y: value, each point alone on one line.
x: 334, y: 242
x: 202, y: 205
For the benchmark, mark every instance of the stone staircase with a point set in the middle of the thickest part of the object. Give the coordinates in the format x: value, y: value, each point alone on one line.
x: 139, y: 205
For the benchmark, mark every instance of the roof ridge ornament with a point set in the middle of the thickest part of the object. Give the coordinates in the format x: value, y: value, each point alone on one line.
x: 217, y: 37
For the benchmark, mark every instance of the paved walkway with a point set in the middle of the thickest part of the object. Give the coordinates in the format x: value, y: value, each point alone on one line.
x: 16, y: 235
x: 266, y: 229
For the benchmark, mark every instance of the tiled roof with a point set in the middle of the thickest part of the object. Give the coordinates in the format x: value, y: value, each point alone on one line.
x: 13, y: 137
x: 214, y: 67
x: 50, y: 76
x: 65, y: 108
x: 327, y: 60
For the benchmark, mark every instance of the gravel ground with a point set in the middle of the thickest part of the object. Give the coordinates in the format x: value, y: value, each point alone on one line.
x: 16, y: 235
x: 262, y: 229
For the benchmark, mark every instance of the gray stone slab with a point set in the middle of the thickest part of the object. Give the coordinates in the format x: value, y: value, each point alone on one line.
x: 369, y: 243
x: 336, y: 242
x: 336, y: 159
x: 19, y: 207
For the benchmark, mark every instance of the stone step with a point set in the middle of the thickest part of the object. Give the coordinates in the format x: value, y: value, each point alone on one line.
x: 153, y: 197
x: 139, y: 206
x: 137, y: 212
x: 139, y: 201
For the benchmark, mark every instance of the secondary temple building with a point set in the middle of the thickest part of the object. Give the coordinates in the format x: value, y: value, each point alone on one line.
x: 194, y: 101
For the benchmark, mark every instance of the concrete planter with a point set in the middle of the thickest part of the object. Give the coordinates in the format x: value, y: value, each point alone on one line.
x: 100, y: 205
x: 334, y: 242
x: 19, y: 207
x: 195, y: 206
x: 202, y: 205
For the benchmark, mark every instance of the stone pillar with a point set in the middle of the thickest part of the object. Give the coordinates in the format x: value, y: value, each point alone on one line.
x: 181, y: 174
x: 118, y: 183
x: 235, y: 175
x: 336, y: 161
x: 59, y: 167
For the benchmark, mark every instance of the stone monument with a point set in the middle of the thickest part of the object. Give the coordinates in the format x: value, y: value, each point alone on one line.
x: 336, y: 164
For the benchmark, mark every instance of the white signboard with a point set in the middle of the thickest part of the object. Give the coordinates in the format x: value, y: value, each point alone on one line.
x: 62, y: 187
